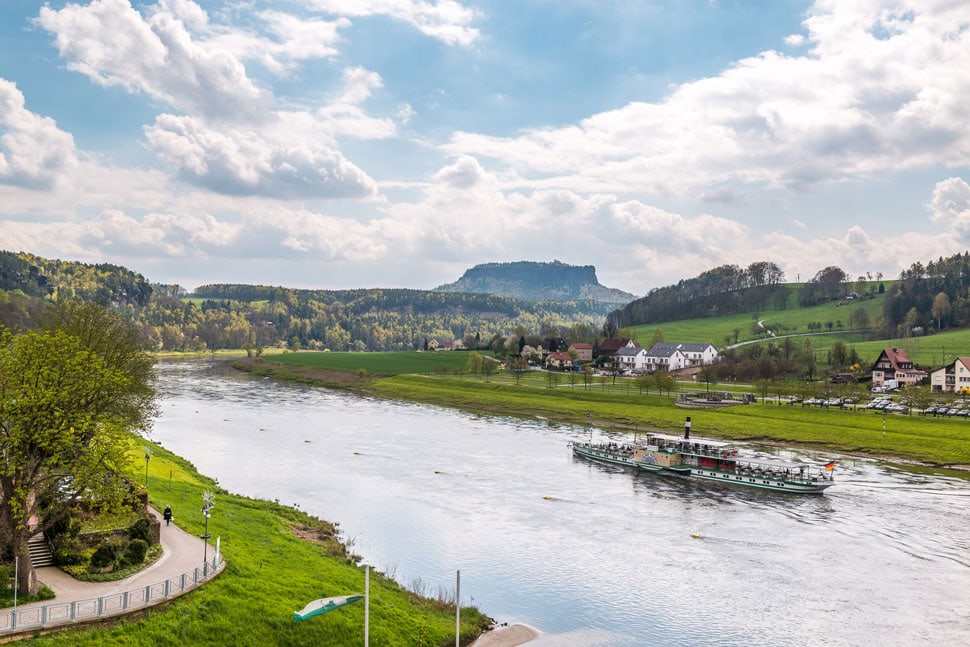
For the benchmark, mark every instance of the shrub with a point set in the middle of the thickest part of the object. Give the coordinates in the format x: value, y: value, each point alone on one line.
x: 45, y: 593
x: 70, y: 553
x: 105, y: 555
x: 135, y: 551
x: 141, y: 529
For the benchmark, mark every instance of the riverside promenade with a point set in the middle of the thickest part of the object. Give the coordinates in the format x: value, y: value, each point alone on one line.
x: 185, y: 564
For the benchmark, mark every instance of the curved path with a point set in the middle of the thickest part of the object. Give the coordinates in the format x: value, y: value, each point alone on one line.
x: 181, y: 553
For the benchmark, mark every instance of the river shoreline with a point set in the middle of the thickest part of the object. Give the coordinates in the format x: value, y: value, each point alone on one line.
x: 369, y: 387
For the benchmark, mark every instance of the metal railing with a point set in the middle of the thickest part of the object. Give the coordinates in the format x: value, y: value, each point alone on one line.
x: 56, y: 614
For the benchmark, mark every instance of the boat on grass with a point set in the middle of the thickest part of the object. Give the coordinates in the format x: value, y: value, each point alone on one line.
x: 711, y: 460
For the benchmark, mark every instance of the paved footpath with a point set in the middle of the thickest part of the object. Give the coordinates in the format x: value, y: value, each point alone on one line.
x: 182, y: 552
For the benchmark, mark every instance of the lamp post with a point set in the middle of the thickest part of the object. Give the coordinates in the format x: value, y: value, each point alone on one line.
x: 208, y: 502
x: 148, y: 455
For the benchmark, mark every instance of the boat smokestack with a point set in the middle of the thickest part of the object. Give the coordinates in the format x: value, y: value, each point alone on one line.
x: 687, y: 429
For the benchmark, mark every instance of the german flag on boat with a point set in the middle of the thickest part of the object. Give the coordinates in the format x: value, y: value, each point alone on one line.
x: 830, y: 465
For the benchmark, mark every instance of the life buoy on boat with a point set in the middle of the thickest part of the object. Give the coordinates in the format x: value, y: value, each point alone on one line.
x: 726, y: 453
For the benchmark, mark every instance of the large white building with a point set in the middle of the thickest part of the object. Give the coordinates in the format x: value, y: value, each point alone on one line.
x: 666, y: 356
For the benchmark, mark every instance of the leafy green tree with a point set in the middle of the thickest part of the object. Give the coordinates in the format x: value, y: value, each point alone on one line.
x: 474, y: 363
x: 664, y: 381
x: 71, y: 393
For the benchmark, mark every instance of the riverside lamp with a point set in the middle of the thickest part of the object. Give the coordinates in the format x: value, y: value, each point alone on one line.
x: 208, y: 502
x: 148, y: 454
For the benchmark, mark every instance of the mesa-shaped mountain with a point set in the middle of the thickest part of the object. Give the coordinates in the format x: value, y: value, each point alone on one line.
x: 535, y: 281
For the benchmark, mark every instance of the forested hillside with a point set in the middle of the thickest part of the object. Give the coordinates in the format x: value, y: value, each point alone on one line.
x: 249, y: 316
x: 724, y: 290
x: 926, y: 298
x: 531, y: 281
x: 931, y: 297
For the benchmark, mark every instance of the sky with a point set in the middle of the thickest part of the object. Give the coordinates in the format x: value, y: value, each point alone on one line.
x: 397, y: 143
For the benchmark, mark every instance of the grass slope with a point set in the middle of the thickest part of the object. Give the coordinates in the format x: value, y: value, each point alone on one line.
x: 271, y: 572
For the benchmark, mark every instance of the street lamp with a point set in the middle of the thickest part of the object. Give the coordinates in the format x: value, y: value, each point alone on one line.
x: 148, y: 455
x: 208, y: 502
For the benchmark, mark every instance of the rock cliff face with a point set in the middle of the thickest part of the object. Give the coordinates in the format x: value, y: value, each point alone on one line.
x: 533, y: 281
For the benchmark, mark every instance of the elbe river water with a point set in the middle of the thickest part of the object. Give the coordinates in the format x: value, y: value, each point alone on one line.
x: 588, y: 554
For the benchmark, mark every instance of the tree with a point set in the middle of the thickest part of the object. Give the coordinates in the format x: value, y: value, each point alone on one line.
x: 474, y: 363
x: 71, y: 393
x: 941, y: 307
x: 658, y: 336
x: 664, y: 381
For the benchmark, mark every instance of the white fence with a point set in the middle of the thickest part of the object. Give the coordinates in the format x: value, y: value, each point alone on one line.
x: 58, y: 614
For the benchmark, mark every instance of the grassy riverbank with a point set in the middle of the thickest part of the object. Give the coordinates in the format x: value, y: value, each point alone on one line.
x: 278, y: 559
x: 910, y: 438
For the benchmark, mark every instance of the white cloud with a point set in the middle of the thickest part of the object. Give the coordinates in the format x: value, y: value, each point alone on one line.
x: 34, y: 152
x: 113, y: 45
x: 876, y: 93
x: 294, y: 159
x: 950, y: 205
x: 446, y: 20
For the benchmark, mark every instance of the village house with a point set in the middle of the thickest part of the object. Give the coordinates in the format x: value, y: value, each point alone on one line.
x: 666, y: 356
x: 952, y: 378
x: 583, y: 351
x: 630, y: 359
x: 894, y: 365
x: 608, y: 347
x: 560, y: 360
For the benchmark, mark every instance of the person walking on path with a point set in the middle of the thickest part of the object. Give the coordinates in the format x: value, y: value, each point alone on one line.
x: 167, y: 514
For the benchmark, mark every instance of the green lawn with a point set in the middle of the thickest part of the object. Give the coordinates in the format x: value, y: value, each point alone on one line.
x: 384, y: 363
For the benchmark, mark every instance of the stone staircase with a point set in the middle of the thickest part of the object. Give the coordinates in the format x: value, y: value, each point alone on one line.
x: 40, y: 551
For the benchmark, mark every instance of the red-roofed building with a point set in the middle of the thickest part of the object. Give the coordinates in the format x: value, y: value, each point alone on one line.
x: 894, y: 364
x: 559, y: 359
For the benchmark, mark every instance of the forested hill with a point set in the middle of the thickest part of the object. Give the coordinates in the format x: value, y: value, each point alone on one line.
x: 724, y: 290
x: 255, y: 316
x: 532, y: 281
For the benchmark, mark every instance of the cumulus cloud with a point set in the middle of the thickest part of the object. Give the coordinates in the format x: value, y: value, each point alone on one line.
x: 112, y: 44
x: 876, y: 92
x: 251, y: 162
x: 34, y: 152
x: 231, y: 136
x: 950, y: 205
x: 446, y: 20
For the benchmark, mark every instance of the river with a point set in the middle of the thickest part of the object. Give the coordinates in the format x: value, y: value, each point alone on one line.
x: 588, y: 554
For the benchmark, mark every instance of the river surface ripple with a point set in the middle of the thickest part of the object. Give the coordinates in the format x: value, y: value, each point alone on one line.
x: 588, y: 554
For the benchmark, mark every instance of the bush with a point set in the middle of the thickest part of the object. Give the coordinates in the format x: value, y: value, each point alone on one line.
x: 45, y: 593
x: 105, y: 555
x: 141, y: 529
x: 70, y: 553
x: 135, y: 551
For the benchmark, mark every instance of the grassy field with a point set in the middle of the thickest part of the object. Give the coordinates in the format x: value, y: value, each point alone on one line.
x: 620, y: 404
x: 794, y: 319
x: 382, y: 363
x: 271, y: 572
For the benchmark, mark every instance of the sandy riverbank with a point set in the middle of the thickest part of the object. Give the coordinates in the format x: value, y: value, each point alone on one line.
x: 508, y: 636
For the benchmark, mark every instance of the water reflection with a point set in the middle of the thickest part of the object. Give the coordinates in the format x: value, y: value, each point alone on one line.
x: 589, y: 554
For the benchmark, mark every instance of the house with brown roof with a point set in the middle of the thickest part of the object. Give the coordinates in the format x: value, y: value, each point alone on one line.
x: 951, y: 378
x: 559, y: 359
x: 608, y: 347
x: 584, y: 351
x: 894, y: 364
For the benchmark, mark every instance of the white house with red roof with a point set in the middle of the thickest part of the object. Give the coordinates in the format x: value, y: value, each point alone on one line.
x: 894, y: 364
